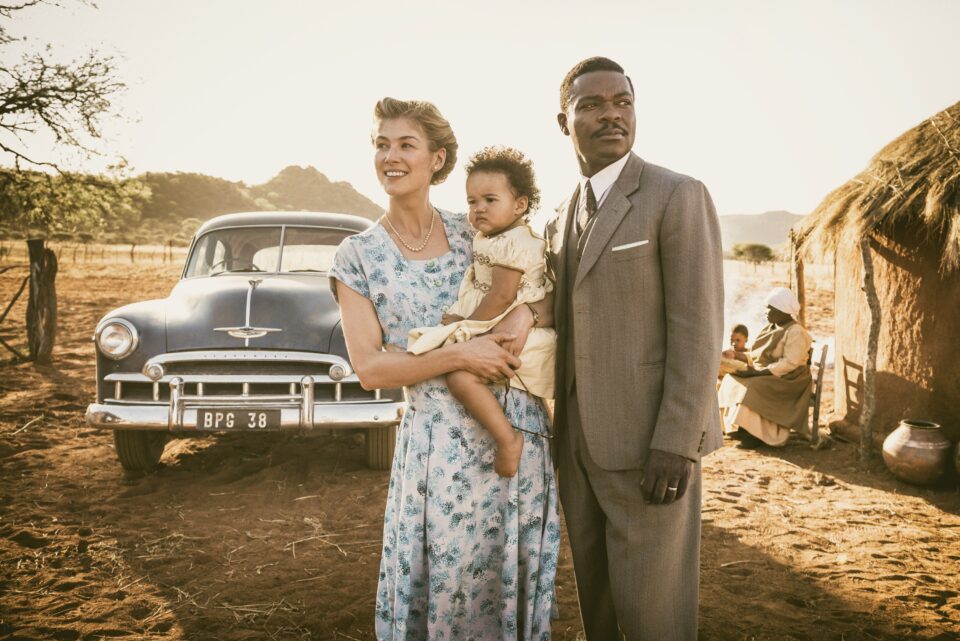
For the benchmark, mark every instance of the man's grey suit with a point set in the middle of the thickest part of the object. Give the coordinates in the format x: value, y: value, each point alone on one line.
x: 639, y: 318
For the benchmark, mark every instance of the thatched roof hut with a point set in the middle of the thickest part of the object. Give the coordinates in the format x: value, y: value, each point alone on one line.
x: 907, y: 202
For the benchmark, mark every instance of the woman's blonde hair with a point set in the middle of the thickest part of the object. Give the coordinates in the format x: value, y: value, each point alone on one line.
x: 437, y: 129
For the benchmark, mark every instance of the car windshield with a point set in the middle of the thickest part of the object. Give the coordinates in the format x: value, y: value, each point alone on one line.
x: 257, y: 249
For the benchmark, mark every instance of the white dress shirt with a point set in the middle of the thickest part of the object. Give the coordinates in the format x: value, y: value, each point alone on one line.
x: 603, y: 180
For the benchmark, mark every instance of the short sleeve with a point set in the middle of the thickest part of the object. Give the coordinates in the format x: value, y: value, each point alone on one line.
x: 348, y: 269
x: 518, y: 249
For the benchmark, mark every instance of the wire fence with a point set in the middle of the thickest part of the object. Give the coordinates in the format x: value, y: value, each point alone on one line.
x: 15, y: 251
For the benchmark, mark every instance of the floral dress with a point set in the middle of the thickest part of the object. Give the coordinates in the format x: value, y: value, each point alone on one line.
x: 467, y: 554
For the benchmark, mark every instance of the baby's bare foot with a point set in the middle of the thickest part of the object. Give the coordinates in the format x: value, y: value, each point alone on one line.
x: 507, y: 461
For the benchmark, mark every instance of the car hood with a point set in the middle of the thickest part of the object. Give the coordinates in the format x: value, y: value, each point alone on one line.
x: 301, y: 307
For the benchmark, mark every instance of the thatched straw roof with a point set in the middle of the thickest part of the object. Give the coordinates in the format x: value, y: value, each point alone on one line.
x: 913, y: 181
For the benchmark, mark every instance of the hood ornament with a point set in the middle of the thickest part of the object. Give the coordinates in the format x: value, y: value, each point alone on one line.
x: 247, y: 332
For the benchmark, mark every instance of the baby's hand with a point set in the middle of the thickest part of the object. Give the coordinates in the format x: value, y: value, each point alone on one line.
x: 450, y: 318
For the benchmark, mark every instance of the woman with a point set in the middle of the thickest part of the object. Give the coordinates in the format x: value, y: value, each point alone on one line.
x: 466, y: 553
x: 771, y: 396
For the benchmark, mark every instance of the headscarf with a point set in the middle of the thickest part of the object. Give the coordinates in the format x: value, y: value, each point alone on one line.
x: 783, y: 299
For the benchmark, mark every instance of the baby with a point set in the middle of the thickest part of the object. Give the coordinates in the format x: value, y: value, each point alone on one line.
x: 508, y: 270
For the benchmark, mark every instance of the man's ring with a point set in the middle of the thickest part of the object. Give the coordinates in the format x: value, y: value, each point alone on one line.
x: 671, y: 489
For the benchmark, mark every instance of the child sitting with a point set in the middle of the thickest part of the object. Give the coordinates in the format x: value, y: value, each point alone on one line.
x: 736, y: 359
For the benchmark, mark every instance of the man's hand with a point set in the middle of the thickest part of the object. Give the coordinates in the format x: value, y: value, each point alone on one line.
x: 518, y: 322
x: 665, y: 477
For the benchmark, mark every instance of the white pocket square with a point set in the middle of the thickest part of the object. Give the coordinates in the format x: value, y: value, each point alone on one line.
x: 620, y: 248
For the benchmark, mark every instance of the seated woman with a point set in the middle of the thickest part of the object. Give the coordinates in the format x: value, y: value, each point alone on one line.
x: 772, y: 395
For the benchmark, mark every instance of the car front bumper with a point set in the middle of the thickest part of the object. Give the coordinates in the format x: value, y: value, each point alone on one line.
x: 297, y: 412
x: 326, y: 416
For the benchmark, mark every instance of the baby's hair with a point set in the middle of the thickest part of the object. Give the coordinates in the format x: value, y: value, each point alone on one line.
x: 514, y: 165
x: 741, y: 329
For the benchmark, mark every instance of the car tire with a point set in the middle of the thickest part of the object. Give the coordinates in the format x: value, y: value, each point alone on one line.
x: 139, y: 451
x: 381, y: 442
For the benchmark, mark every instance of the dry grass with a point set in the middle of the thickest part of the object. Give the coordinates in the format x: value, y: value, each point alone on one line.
x: 913, y: 182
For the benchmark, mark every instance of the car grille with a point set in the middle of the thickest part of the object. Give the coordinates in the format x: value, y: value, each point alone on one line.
x: 139, y: 392
x: 218, y: 375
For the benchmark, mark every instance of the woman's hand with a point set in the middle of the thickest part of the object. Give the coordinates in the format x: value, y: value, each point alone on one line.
x: 751, y: 372
x: 487, y: 358
x: 517, y: 324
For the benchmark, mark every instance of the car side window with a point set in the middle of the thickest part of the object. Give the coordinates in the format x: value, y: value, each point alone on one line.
x: 210, y: 251
x: 219, y: 252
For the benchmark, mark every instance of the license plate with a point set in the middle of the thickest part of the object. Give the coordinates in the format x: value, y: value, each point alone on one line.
x: 234, y: 419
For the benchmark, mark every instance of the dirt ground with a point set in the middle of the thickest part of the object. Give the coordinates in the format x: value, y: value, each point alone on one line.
x: 278, y: 537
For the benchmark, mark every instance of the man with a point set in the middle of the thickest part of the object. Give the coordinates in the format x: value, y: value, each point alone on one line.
x: 639, y: 313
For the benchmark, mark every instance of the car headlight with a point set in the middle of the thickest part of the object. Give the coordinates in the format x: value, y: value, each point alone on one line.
x: 117, y: 338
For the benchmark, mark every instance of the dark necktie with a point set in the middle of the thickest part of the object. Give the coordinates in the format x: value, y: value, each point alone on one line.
x: 586, y: 216
x: 587, y: 209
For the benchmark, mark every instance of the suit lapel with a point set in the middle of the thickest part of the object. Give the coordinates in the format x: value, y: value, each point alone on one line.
x: 610, y: 215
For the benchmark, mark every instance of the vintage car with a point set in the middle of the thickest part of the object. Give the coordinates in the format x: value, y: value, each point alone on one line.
x: 249, y: 340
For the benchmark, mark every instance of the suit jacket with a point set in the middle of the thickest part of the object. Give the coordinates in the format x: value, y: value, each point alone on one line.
x: 647, y: 305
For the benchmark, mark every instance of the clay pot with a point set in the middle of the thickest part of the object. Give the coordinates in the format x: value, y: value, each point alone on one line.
x: 917, y: 452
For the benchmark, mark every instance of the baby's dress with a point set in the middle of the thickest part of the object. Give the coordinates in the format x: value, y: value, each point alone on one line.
x: 521, y: 249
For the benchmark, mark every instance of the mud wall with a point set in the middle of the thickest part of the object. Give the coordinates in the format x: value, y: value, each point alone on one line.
x: 918, y: 360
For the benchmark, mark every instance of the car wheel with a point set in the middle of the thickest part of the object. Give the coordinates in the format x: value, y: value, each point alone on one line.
x: 139, y: 451
x: 381, y: 442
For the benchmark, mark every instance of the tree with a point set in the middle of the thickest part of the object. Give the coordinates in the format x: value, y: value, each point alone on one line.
x: 59, y: 206
x: 753, y: 253
x: 65, y: 100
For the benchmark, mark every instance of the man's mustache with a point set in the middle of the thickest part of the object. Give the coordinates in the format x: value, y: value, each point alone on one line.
x: 608, y: 129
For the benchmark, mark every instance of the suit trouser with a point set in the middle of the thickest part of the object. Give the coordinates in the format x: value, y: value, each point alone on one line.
x: 637, y: 565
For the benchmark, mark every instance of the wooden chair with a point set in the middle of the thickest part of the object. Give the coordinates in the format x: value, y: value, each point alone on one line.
x: 815, y: 397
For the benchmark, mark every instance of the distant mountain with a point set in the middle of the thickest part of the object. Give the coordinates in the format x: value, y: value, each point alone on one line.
x: 305, y: 188
x: 177, y: 196
x: 771, y: 228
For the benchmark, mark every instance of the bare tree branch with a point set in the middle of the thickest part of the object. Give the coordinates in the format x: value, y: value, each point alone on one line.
x: 65, y: 100
x: 7, y: 11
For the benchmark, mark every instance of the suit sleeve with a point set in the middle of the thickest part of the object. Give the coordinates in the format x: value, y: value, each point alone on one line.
x: 692, y: 266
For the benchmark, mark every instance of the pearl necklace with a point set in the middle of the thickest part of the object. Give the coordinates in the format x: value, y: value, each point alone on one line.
x: 433, y: 219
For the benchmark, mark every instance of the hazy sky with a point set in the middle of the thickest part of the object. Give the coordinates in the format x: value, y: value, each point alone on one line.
x: 772, y: 104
